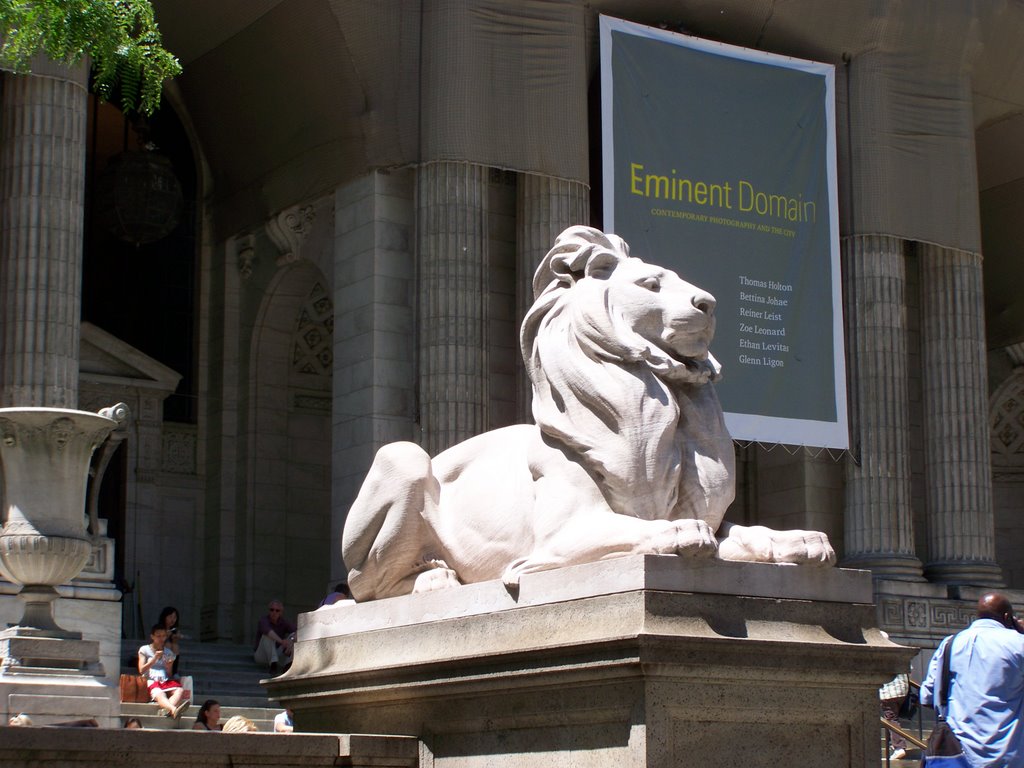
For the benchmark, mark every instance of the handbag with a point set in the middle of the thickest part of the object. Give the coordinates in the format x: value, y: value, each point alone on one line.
x: 134, y: 689
x: 187, y: 684
x: 943, y: 743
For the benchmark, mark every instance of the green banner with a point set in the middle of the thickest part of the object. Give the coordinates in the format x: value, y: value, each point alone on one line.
x: 719, y: 163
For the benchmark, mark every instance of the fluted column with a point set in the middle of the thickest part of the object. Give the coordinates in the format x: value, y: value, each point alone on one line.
x: 545, y: 206
x: 878, y: 522
x: 453, y: 297
x: 958, y: 466
x: 42, y: 172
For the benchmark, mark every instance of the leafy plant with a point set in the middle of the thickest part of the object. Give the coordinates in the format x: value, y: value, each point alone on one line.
x: 120, y: 37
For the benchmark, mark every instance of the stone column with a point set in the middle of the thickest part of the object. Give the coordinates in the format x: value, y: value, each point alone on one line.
x: 42, y: 182
x: 453, y: 294
x: 545, y: 206
x: 958, y: 469
x: 879, y: 524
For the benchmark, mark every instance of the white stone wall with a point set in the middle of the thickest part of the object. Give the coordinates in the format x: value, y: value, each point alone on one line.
x: 374, y: 375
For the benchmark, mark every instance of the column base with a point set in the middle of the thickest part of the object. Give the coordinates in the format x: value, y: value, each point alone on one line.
x: 984, y: 573
x: 887, y: 566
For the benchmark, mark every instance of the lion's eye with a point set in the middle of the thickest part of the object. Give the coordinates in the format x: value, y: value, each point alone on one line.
x: 650, y: 283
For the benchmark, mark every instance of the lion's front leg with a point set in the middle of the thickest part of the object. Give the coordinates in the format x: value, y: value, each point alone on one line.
x: 586, y: 538
x: 758, y: 544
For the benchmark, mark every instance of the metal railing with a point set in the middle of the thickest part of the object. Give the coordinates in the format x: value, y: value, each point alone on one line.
x: 889, y: 728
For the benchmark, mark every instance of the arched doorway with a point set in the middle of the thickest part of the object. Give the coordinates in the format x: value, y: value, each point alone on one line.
x: 290, y: 426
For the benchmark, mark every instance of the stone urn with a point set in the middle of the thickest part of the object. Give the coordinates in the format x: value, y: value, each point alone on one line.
x: 44, y: 456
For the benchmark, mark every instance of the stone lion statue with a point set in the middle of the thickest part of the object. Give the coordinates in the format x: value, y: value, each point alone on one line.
x: 629, y: 454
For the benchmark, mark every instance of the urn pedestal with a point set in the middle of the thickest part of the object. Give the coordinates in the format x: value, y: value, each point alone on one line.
x: 46, y: 671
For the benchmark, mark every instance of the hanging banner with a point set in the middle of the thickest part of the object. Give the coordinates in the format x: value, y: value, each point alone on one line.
x: 719, y: 163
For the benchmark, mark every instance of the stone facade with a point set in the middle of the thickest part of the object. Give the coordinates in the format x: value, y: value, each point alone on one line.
x: 327, y: 322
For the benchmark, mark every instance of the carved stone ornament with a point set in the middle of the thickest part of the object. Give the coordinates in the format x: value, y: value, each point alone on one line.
x: 45, y: 455
x: 289, y: 229
x: 247, y: 257
x: 629, y: 455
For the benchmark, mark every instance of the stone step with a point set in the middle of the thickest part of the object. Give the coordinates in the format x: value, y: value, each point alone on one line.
x: 228, y: 653
x: 150, y: 717
x: 222, y: 671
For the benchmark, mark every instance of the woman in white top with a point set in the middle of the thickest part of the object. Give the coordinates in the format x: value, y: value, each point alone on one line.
x: 155, y: 663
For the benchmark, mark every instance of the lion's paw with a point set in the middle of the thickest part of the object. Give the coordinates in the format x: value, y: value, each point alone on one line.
x: 436, y: 575
x: 694, y: 538
x: 804, y: 548
x: 764, y: 545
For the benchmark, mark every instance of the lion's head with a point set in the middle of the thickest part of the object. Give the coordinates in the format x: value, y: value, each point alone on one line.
x: 618, y: 354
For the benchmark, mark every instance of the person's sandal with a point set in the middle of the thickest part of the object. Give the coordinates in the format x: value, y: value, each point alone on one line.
x: 181, y: 708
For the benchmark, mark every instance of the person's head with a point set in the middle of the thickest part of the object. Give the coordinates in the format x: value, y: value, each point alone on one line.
x: 209, y: 713
x: 168, y: 617
x: 133, y: 722
x: 158, y: 636
x: 275, y: 609
x: 239, y: 724
x: 995, y: 605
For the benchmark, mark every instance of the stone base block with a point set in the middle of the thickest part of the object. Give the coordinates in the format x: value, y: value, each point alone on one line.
x: 54, y: 681
x: 93, y: 611
x: 642, y: 661
x: 49, y: 699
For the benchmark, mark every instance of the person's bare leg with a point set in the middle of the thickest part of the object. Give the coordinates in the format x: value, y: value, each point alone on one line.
x: 179, y: 701
x: 162, y: 701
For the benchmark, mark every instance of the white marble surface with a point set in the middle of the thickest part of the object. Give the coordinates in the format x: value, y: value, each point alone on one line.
x: 626, y: 574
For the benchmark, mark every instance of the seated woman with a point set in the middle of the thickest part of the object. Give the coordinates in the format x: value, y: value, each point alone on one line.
x: 156, y: 661
x: 208, y: 718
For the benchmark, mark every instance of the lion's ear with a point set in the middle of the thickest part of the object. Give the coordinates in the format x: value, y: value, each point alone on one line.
x: 601, y: 264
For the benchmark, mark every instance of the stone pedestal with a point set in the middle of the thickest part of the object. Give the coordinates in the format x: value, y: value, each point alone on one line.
x: 54, y: 680
x: 638, y: 661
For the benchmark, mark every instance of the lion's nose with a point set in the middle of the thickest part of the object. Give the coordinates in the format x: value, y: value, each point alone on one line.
x: 705, y: 302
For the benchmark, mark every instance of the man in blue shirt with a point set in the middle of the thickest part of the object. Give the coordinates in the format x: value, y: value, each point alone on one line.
x: 986, y: 692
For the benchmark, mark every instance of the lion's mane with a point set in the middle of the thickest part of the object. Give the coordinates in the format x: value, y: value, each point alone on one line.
x: 607, y: 396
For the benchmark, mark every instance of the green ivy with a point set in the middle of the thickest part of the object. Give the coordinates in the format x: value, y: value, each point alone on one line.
x: 120, y: 37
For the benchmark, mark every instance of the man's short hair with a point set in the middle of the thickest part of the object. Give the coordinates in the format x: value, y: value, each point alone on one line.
x: 156, y: 627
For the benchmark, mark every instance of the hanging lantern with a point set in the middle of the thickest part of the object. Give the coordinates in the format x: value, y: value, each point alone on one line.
x: 138, y: 197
